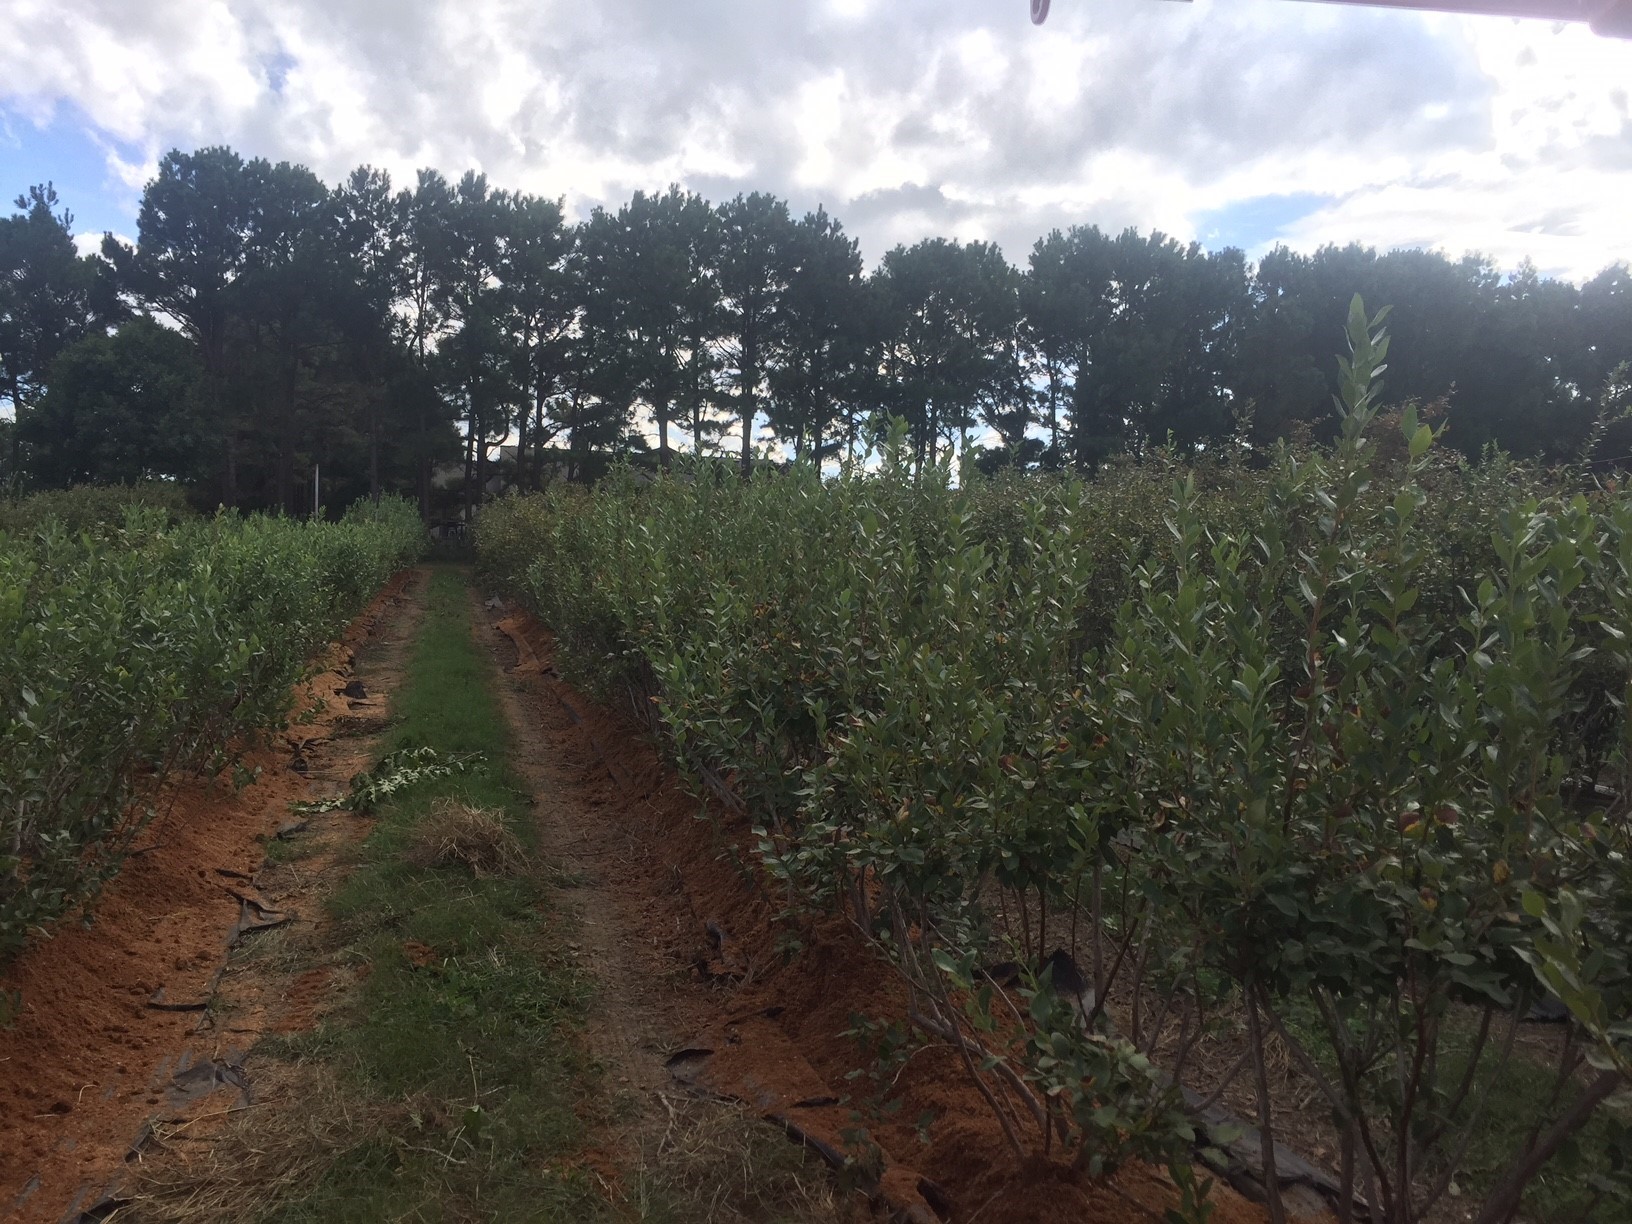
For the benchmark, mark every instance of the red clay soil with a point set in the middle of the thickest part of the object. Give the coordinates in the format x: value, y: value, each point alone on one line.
x: 683, y: 876
x: 90, y: 1058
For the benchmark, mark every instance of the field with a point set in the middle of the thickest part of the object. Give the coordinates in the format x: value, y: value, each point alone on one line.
x: 1229, y: 840
x: 1293, y: 787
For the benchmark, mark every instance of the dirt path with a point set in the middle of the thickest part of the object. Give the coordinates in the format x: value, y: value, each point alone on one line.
x: 697, y: 956
x: 675, y: 933
x: 646, y: 1003
x: 135, y: 1027
x: 721, y: 1022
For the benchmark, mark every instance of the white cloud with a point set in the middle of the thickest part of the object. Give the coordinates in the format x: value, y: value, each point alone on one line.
x: 906, y: 118
x: 129, y: 65
x: 1548, y: 182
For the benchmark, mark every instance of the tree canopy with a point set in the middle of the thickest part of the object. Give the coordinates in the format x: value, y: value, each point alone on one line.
x: 448, y: 339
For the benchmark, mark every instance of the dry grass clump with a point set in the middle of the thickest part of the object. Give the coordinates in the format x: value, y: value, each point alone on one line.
x: 230, y: 1164
x: 714, y: 1164
x: 479, y: 840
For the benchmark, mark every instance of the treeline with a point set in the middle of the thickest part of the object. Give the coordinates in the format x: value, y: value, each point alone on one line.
x: 266, y: 326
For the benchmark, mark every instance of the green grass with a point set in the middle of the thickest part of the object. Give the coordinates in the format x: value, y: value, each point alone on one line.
x: 1561, y: 1192
x: 281, y: 850
x: 473, y: 1055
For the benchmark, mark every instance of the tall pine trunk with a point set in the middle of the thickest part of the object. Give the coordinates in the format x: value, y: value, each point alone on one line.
x: 750, y: 390
x: 374, y: 459
x: 286, y: 444
x: 229, y: 491
x: 215, y: 379
x: 524, y: 420
x: 470, y: 463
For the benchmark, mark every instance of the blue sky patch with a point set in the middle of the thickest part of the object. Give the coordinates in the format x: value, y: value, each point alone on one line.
x: 277, y: 67
x: 1255, y: 224
x: 65, y: 153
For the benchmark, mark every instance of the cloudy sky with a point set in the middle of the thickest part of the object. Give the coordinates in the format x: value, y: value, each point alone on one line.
x: 1234, y: 122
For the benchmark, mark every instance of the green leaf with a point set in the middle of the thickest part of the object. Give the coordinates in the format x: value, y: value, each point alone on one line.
x: 1421, y: 441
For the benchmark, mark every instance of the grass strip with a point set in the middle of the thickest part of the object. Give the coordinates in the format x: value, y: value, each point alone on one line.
x: 461, y: 1036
